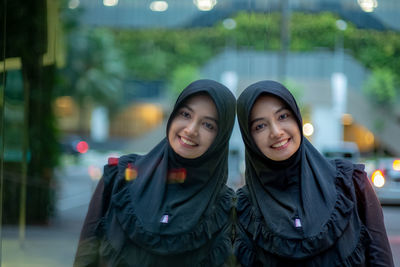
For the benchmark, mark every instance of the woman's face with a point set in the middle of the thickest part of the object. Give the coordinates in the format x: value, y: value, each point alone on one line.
x: 274, y: 128
x: 194, y: 127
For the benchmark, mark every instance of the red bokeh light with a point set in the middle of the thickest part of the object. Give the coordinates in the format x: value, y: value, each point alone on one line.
x: 82, y: 147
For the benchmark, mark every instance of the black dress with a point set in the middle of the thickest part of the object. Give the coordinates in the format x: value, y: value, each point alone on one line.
x: 160, y: 209
x: 372, y: 249
x: 305, y: 210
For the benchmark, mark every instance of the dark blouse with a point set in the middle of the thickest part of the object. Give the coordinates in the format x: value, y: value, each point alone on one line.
x: 373, y: 247
x: 95, y: 248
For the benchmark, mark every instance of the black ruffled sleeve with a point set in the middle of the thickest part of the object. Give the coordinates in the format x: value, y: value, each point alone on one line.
x: 370, y: 212
x: 88, y: 246
x: 243, y: 247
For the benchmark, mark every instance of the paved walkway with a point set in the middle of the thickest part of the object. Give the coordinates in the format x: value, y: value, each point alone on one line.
x: 54, y: 245
x: 44, y: 246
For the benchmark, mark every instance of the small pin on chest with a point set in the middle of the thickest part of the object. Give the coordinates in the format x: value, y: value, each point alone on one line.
x: 164, y: 218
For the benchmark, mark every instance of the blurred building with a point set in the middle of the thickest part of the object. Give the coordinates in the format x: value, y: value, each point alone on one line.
x: 312, y: 71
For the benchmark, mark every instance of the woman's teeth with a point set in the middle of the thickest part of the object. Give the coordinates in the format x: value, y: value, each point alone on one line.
x: 188, y: 142
x: 280, y: 143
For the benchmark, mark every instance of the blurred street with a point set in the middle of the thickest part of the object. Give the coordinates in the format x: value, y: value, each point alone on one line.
x: 392, y: 219
x: 55, y: 244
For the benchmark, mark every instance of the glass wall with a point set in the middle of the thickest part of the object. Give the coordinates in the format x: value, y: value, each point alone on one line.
x: 82, y: 81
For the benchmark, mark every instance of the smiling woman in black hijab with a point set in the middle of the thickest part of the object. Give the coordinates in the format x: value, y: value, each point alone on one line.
x: 171, y: 206
x: 297, y: 208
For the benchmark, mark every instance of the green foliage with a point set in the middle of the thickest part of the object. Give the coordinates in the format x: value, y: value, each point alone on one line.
x: 163, y: 54
x: 95, y: 70
x: 182, y: 77
x: 295, y: 89
x: 381, y: 86
x: 368, y: 46
x: 257, y: 31
x: 309, y: 31
x: 155, y: 54
x: 297, y: 92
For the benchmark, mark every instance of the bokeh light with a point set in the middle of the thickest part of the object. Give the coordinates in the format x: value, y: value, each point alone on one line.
x: 368, y: 5
x: 308, y: 129
x: 205, y: 5
x: 72, y: 4
x: 378, y: 179
x: 82, y: 147
x: 110, y: 2
x: 95, y: 172
x: 229, y: 24
x: 396, y: 165
x: 347, y: 119
x: 130, y: 172
x: 158, y: 6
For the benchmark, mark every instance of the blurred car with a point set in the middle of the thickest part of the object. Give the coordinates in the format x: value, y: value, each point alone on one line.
x: 346, y: 150
x: 386, y: 180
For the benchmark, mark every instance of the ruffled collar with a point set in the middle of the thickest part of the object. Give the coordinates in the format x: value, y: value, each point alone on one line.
x: 343, y: 214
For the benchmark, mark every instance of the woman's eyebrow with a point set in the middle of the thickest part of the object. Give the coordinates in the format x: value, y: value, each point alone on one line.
x: 280, y: 109
x: 211, y: 118
x: 255, y: 120
x: 186, y: 106
x: 261, y: 118
x: 206, y: 117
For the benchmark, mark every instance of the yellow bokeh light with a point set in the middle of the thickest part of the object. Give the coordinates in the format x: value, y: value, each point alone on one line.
x: 396, y: 165
x: 378, y: 179
x: 369, y: 138
x: 150, y: 113
x: 347, y: 119
x: 65, y: 106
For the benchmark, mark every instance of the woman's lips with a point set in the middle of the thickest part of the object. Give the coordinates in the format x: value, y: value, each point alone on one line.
x: 281, y: 145
x: 186, y: 142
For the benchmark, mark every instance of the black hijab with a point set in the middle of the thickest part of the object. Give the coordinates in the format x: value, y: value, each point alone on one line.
x: 300, y: 211
x: 166, y: 218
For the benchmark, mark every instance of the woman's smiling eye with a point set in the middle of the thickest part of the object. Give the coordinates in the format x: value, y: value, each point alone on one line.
x: 283, y: 116
x: 209, y: 126
x: 184, y: 114
x: 259, y: 126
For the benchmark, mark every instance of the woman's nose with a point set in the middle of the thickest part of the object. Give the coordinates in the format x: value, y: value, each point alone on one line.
x: 276, y: 130
x: 191, y: 129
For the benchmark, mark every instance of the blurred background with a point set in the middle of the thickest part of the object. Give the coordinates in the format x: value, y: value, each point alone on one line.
x: 81, y: 81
